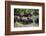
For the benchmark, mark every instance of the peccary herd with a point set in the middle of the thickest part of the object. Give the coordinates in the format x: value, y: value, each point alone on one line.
x: 24, y: 20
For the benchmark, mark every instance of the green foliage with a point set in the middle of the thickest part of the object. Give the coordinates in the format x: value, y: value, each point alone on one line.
x: 25, y: 11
